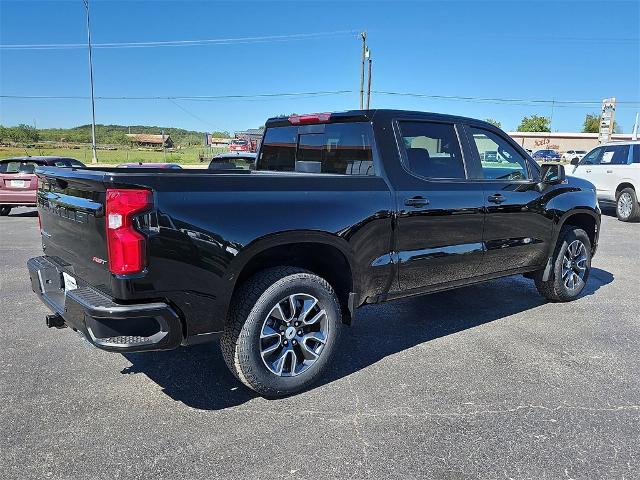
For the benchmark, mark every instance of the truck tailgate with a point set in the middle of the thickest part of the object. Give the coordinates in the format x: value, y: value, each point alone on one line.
x: 72, y: 217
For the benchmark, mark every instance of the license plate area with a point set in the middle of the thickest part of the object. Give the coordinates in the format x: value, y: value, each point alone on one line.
x: 18, y: 183
x: 69, y: 282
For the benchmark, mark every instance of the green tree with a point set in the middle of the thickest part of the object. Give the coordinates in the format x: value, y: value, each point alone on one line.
x: 592, y: 124
x: 20, y: 134
x: 493, y: 122
x: 535, y: 123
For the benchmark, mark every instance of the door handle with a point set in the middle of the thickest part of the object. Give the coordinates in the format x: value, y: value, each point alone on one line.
x: 497, y: 198
x: 588, y: 171
x: 417, y: 202
x: 609, y: 171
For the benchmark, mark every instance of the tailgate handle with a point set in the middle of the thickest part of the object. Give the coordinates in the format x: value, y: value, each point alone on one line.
x: 417, y: 202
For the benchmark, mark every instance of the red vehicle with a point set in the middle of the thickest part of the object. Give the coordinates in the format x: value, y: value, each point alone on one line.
x: 240, y: 145
x: 18, y: 182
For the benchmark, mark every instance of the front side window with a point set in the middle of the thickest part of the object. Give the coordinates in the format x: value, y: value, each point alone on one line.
x: 615, y: 155
x: 499, y: 160
x: 342, y: 148
x: 636, y: 153
x: 593, y: 157
x: 432, y: 150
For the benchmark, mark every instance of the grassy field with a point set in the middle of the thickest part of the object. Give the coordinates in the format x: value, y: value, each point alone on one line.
x: 187, y: 155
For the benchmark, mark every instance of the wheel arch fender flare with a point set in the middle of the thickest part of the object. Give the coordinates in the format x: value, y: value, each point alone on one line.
x: 291, y: 237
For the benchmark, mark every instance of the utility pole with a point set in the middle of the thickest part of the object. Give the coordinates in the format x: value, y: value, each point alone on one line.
x: 164, y: 150
x: 94, y: 157
x: 369, y: 80
x: 363, y: 35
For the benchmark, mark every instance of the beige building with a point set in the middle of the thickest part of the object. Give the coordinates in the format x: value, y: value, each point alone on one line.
x: 561, y: 141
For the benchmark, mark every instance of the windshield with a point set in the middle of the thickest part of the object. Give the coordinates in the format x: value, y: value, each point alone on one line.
x: 18, y: 166
x: 239, y: 142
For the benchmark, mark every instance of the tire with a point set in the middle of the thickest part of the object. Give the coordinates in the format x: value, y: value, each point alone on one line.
x: 558, y: 287
x: 4, y: 211
x: 627, y: 208
x: 254, y: 312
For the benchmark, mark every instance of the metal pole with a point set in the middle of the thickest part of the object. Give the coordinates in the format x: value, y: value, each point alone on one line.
x: 364, y: 49
x: 369, y: 83
x: 94, y: 158
x: 164, y: 150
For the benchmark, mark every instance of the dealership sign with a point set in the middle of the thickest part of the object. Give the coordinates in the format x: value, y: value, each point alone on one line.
x: 606, y: 119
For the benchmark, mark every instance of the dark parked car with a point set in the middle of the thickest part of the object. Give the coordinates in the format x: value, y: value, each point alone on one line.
x: 547, y: 154
x: 229, y: 161
x: 18, y: 182
x: 149, y: 165
x: 275, y: 260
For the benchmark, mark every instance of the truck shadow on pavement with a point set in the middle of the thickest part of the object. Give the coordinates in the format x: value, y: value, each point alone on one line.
x: 198, y: 377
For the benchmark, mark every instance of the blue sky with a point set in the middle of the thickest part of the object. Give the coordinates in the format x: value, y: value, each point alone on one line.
x: 562, y: 50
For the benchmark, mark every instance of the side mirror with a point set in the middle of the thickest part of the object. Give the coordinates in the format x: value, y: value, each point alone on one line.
x: 575, y: 161
x: 553, y: 173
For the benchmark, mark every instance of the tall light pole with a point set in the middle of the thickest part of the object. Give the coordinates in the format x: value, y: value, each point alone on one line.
x: 369, y: 80
x: 94, y: 158
x: 363, y: 35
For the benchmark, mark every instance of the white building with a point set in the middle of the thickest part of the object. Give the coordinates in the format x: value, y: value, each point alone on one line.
x: 561, y: 141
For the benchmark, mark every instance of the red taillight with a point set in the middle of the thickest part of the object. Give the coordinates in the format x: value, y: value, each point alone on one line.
x: 125, y: 244
x: 309, y: 118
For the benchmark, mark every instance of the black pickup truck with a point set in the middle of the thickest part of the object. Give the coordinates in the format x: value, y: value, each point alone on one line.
x: 341, y: 210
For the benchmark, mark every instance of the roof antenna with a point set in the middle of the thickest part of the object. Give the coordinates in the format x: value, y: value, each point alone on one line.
x: 634, y: 135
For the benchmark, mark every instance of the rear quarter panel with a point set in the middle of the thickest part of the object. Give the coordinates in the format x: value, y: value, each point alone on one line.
x: 210, y: 226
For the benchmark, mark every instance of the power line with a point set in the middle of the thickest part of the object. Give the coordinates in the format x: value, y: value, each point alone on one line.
x: 185, y: 43
x: 187, y: 97
x: 205, y: 122
x: 495, y: 100
x: 505, y: 101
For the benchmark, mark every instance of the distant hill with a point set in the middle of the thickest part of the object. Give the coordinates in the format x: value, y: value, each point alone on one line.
x: 105, y: 134
x: 116, y: 134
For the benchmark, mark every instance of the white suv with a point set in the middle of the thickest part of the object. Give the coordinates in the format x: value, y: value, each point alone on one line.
x: 572, y: 155
x: 614, y: 168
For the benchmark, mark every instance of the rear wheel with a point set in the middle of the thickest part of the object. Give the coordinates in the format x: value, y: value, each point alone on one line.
x: 4, y: 210
x: 627, y: 208
x: 570, y: 268
x: 282, y: 331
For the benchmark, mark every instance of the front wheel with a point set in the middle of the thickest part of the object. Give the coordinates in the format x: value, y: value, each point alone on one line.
x: 571, y: 266
x: 627, y: 208
x: 282, y: 331
x: 4, y: 211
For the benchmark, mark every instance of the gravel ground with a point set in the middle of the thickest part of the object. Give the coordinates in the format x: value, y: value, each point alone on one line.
x: 486, y: 381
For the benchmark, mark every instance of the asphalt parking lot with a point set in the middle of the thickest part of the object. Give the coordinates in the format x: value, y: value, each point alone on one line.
x: 487, y: 381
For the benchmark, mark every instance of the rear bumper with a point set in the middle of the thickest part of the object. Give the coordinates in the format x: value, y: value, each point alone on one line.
x: 106, y: 324
x: 18, y: 197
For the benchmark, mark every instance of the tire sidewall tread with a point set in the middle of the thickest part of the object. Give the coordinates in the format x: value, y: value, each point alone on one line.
x: 250, y: 306
x: 635, y: 208
x: 553, y: 288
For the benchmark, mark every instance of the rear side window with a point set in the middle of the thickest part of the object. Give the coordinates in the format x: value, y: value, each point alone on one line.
x: 18, y: 167
x: 432, y: 150
x: 278, y: 151
x: 615, y: 155
x: 342, y: 148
